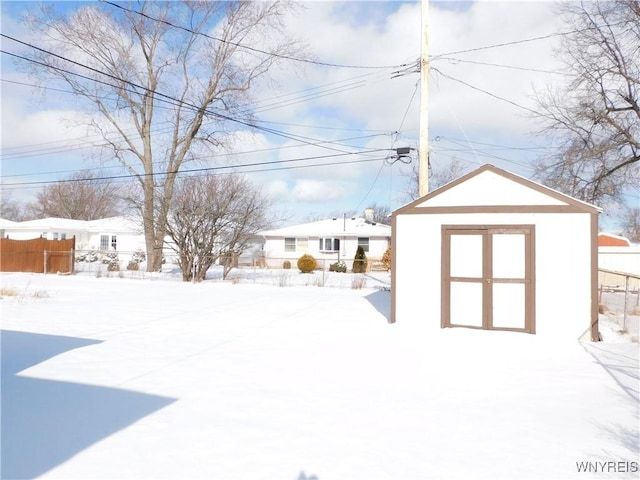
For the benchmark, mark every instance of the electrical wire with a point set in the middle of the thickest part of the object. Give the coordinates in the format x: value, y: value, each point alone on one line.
x: 209, y: 169
x: 246, y: 47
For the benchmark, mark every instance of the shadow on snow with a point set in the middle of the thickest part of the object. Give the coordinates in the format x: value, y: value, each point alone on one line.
x: 45, y: 422
x: 381, y: 301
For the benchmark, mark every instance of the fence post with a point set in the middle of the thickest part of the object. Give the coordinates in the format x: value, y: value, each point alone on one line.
x: 45, y: 261
x: 626, y: 295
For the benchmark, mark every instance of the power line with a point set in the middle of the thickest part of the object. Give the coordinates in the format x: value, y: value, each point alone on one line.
x: 171, y: 100
x: 489, y: 64
x: 209, y: 156
x: 404, y: 117
x: 487, y: 92
x: 210, y: 169
x: 9, y: 156
x: 499, y: 45
x: 246, y: 47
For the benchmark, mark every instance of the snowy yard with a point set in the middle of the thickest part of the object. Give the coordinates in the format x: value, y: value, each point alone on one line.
x: 152, y: 378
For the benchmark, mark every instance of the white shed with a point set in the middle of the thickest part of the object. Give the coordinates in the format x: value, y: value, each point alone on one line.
x: 493, y: 250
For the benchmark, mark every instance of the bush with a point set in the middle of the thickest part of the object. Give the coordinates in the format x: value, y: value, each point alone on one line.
x: 338, y: 267
x: 138, y: 256
x: 306, y: 263
x: 286, y: 264
x: 360, y: 261
x: 386, y: 258
x: 133, y: 265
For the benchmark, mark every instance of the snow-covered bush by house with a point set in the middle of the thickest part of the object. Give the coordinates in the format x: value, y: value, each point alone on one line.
x: 338, y: 267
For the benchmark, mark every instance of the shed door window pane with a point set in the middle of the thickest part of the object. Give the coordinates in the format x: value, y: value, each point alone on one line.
x: 290, y: 244
x: 104, y: 242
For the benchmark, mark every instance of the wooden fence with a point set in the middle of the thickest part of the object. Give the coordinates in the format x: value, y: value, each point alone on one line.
x: 37, y: 255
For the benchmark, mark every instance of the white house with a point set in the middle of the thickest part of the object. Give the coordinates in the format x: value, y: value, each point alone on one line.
x: 122, y: 234
x: 497, y: 252
x: 328, y: 241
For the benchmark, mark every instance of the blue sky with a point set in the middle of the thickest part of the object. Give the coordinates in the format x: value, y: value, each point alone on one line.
x: 479, y: 103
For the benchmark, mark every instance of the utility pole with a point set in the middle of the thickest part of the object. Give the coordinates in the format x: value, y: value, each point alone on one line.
x: 423, y: 151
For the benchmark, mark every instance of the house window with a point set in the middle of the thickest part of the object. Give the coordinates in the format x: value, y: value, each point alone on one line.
x: 63, y: 236
x: 104, y: 242
x: 329, y: 244
x: 44, y: 235
x: 292, y: 244
x: 289, y: 244
x: 113, y: 242
x: 55, y: 235
x: 364, y: 243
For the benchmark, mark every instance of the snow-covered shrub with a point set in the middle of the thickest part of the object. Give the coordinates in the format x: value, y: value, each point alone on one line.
x: 111, y: 260
x: 138, y: 256
x: 91, y: 257
x: 286, y: 264
x: 338, y: 267
x: 133, y: 265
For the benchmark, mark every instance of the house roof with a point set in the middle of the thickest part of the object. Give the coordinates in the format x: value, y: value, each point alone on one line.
x: 491, y: 189
x: 111, y: 224
x: 116, y: 224
x: 333, y: 227
x: 6, y: 223
x: 611, y: 240
x: 50, y: 223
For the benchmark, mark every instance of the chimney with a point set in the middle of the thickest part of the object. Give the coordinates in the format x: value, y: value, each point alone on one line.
x: 368, y: 215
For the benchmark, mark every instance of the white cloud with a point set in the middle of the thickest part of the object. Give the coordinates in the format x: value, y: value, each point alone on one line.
x: 329, y: 104
x: 318, y: 191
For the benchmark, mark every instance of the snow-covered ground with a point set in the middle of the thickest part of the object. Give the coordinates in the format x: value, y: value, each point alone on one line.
x: 152, y: 378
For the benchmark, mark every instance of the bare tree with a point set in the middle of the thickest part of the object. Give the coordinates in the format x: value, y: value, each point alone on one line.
x: 161, y: 80
x: 212, y: 217
x: 438, y: 176
x: 594, y: 116
x: 630, y: 221
x: 11, y: 209
x: 381, y: 214
x: 80, y: 197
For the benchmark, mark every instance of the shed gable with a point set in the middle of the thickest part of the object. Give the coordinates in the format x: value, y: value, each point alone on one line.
x: 492, y: 189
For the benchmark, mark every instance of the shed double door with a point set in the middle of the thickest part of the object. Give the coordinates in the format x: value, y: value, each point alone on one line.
x: 488, y: 277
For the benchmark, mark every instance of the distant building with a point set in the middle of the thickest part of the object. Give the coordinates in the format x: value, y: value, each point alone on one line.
x: 328, y: 241
x: 611, y: 240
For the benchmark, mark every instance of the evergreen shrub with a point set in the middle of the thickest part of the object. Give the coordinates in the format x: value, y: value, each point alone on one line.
x: 360, y: 261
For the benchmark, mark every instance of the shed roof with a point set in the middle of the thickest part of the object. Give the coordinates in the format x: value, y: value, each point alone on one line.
x: 491, y: 189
